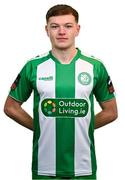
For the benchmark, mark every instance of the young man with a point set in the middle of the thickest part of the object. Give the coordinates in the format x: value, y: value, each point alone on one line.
x: 64, y: 81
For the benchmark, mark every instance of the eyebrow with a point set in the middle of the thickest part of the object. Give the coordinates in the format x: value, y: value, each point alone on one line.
x: 58, y: 24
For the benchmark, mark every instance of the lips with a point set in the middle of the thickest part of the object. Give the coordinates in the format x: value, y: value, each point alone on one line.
x: 62, y: 39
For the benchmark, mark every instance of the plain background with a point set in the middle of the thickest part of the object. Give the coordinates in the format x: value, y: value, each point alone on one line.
x: 22, y: 37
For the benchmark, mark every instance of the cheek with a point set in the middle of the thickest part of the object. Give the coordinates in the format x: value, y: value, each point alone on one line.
x: 52, y: 35
x: 72, y: 35
x: 52, y: 38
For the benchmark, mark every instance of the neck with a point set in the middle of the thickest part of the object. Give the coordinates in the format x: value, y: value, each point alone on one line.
x: 65, y: 56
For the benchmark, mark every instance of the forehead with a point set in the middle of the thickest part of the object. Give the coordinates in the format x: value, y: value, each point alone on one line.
x: 62, y: 19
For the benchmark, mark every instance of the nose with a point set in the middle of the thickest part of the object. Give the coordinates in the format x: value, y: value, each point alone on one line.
x: 61, y: 30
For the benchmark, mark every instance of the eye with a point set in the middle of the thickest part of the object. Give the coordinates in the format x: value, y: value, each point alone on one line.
x: 68, y: 26
x: 54, y: 26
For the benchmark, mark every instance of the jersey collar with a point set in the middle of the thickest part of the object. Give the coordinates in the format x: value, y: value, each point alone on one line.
x: 73, y: 60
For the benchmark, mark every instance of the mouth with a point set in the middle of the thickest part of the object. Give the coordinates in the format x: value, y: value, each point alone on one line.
x: 62, y: 39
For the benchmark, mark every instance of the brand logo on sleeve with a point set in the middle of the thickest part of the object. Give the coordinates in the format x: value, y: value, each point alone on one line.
x: 110, y: 85
x: 16, y: 82
x: 64, y: 107
x: 84, y: 78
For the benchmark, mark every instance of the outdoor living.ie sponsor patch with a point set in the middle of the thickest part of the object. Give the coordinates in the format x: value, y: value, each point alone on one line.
x: 64, y: 107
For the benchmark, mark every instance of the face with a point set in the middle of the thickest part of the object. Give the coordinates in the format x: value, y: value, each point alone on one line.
x: 62, y: 31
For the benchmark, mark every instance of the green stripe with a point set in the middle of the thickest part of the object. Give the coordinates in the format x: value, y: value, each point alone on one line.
x: 36, y: 134
x: 65, y: 127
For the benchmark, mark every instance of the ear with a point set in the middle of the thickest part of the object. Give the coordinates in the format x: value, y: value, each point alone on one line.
x: 46, y: 29
x: 77, y: 29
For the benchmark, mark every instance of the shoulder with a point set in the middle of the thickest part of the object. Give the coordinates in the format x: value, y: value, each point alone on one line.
x: 91, y: 59
x: 38, y: 59
x: 32, y: 63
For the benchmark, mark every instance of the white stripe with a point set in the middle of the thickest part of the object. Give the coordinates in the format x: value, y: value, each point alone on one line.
x: 82, y: 141
x: 46, y: 145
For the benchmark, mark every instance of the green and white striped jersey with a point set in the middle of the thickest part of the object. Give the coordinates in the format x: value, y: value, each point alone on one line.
x: 63, y: 141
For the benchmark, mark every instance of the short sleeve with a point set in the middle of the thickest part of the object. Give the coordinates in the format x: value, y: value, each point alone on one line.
x: 103, y: 89
x: 21, y: 88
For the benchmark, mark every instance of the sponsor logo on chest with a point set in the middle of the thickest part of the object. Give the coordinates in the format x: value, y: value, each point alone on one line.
x: 64, y: 107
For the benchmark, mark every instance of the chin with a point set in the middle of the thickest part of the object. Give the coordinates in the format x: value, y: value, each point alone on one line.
x: 62, y: 47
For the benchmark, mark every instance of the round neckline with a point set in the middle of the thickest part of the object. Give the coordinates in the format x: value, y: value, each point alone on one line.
x: 73, y: 60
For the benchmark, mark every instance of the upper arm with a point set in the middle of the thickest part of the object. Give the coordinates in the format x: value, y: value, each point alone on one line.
x: 10, y: 104
x: 110, y: 107
x: 22, y: 87
x: 103, y: 89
